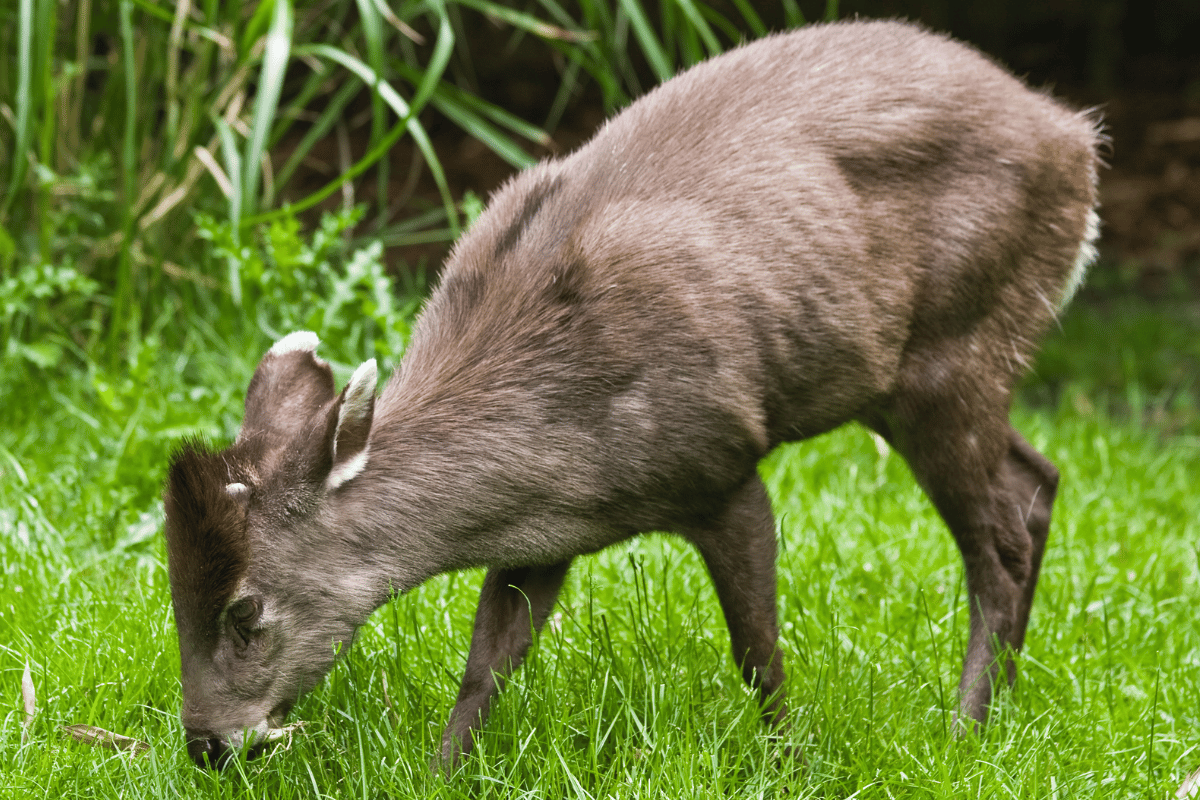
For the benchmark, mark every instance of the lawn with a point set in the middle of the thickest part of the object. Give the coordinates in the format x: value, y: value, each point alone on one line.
x: 631, y: 692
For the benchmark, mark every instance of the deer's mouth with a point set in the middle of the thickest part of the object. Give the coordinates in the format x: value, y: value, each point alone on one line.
x: 278, y: 714
x: 215, y: 752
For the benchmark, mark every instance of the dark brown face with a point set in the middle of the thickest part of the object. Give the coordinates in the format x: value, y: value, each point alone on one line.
x: 227, y: 706
x: 240, y: 688
x: 209, y: 555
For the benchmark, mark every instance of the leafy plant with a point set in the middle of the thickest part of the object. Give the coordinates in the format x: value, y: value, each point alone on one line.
x: 130, y: 117
x: 32, y: 294
x: 285, y: 282
x: 209, y: 106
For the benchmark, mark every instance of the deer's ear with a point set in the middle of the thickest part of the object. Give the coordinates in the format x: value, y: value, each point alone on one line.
x: 355, y: 411
x: 289, y: 386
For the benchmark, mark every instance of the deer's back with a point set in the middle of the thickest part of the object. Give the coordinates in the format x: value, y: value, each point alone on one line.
x: 752, y: 252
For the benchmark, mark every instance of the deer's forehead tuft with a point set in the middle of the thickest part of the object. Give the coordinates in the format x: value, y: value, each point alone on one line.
x: 208, y: 549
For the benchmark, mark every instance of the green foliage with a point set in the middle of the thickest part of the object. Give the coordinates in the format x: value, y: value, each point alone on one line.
x: 131, y: 117
x: 29, y: 297
x: 197, y: 110
x: 1136, y: 359
x: 684, y: 33
x: 287, y: 283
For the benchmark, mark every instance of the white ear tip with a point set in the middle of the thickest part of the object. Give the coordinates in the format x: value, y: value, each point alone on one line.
x: 360, y: 393
x: 364, y: 378
x: 296, y: 341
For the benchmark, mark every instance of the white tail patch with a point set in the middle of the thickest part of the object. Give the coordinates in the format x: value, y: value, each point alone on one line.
x: 1085, y: 258
x: 295, y: 341
x: 238, y: 491
x: 356, y: 411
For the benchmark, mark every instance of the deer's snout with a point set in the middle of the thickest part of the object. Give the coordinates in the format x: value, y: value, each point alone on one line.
x: 208, y: 752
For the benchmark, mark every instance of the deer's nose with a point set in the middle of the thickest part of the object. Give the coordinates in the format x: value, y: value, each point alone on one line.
x: 208, y: 752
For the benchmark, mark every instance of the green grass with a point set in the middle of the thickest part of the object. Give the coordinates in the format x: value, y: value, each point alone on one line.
x: 631, y: 692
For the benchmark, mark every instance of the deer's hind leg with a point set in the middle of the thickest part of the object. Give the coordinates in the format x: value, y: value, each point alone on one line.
x: 995, y: 493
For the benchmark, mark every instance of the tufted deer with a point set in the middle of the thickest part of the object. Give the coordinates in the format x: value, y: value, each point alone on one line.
x: 859, y: 221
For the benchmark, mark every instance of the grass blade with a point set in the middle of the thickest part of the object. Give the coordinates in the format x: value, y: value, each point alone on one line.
x: 317, y: 131
x: 317, y: 85
x: 372, y: 28
x: 45, y: 19
x: 174, y: 47
x: 484, y: 132
x: 1190, y: 788
x: 470, y: 112
x: 98, y: 737
x: 373, y: 32
x: 153, y: 10
x: 603, y: 58
x: 266, y: 102
x: 123, y: 297
x: 364, y: 73
x: 24, y: 92
x: 408, y: 122
x: 753, y: 21
x: 792, y: 15
x: 263, y: 15
x: 500, y: 116
x: 205, y: 157
x: 443, y: 48
x: 233, y: 168
x: 381, y: 6
x: 721, y: 24
x: 528, y: 22
x: 660, y: 62
x: 29, y: 700
x: 71, y: 125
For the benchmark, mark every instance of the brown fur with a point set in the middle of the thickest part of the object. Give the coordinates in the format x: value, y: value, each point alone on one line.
x: 854, y: 222
x: 207, y: 548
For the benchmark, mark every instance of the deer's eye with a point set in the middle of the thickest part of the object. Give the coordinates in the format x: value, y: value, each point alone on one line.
x: 243, y: 617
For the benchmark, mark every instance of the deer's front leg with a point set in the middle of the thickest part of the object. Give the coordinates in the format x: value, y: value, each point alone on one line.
x: 513, y: 605
x: 739, y: 550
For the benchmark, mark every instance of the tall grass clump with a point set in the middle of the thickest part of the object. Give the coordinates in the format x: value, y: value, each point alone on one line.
x: 130, y: 118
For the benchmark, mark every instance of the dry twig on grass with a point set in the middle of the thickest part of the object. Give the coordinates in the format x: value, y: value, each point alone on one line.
x: 30, y: 699
x: 1190, y: 788
x: 98, y: 737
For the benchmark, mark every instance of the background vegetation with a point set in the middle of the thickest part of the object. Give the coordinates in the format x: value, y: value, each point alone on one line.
x: 182, y: 183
